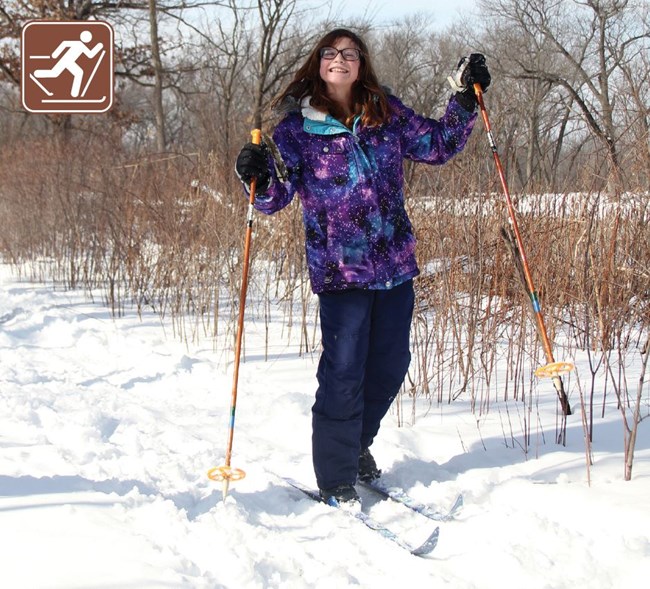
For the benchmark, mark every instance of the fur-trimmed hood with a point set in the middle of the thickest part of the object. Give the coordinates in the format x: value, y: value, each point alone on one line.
x: 291, y: 104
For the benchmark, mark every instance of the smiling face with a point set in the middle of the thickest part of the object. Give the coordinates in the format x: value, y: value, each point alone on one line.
x: 338, y: 74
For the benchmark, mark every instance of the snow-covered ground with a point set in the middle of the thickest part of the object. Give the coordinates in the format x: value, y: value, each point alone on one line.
x: 109, y: 427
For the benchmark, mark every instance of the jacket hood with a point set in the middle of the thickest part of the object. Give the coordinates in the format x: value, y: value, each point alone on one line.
x: 291, y: 104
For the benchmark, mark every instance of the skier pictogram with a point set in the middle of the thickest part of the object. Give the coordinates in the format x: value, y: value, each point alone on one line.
x: 67, y: 66
x: 69, y: 52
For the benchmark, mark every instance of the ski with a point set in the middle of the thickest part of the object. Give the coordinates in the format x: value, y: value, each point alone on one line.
x: 398, y: 495
x: 425, y: 548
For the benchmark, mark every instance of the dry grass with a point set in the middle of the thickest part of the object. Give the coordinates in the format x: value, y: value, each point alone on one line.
x: 167, y: 234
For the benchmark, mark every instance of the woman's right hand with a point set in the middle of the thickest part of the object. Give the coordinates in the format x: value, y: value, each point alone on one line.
x: 252, y: 162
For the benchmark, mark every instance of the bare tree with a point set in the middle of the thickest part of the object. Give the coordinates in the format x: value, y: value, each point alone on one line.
x: 581, y: 47
x: 274, y: 61
x: 158, y: 77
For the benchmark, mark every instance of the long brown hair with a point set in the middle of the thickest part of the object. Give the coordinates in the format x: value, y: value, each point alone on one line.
x: 368, y: 98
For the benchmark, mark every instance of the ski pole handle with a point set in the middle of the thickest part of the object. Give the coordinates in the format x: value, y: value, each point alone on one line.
x: 478, y: 91
x: 256, y: 138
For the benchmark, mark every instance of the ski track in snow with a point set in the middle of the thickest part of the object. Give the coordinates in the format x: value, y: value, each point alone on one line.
x: 110, y: 425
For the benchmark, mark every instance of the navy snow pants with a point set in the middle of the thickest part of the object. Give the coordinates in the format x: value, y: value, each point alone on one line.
x: 365, y: 338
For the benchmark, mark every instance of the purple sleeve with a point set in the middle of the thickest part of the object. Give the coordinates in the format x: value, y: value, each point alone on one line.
x: 284, y: 166
x: 433, y: 141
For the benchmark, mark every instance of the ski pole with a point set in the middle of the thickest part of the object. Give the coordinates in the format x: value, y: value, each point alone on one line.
x: 552, y: 368
x: 226, y: 473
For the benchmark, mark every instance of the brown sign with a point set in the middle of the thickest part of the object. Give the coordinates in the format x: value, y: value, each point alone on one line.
x: 67, y: 66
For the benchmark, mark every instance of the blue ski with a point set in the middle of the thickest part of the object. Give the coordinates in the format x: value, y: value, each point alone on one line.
x: 398, y: 495
x: 425, y: 548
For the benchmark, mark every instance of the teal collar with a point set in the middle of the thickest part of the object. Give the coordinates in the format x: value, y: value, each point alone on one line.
x: 317, y: 122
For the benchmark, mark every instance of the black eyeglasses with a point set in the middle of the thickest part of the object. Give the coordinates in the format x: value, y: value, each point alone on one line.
x: 349, y: 53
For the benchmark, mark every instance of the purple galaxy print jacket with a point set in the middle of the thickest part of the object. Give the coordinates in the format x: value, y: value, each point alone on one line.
x: 350, y: 182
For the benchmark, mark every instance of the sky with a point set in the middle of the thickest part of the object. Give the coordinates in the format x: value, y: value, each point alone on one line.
x: 444, y: 13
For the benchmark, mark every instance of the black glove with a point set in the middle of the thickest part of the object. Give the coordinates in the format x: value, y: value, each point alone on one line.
x: 252, y: 162
x: 470, y: 70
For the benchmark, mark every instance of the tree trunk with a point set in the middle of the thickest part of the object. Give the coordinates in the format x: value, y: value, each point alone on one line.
x: 159, y: 113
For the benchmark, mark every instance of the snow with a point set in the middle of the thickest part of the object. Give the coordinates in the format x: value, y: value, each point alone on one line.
x: 109, y: 426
